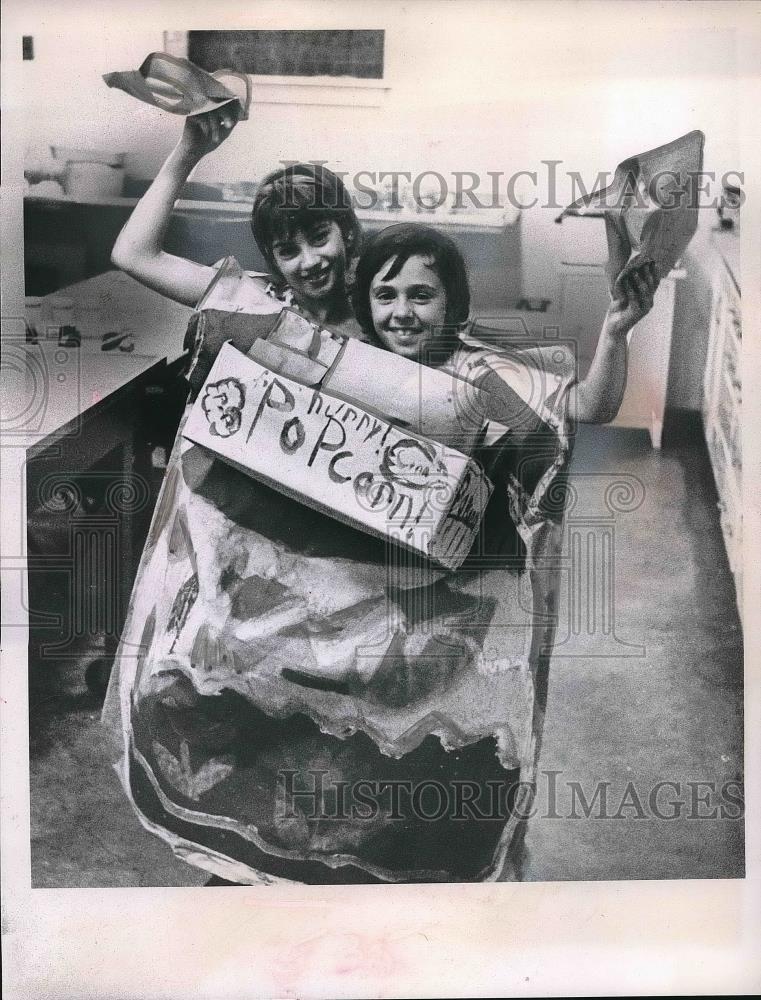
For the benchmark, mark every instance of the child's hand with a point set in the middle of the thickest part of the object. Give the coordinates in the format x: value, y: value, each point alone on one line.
x: 638, y: 292
x: 203, y: 133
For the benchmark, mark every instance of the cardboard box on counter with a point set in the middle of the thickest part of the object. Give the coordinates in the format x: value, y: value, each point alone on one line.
x: 340, y: 457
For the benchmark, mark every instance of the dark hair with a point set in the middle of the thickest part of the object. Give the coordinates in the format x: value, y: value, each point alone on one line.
x: 401, y: 242
x: 298, y: 197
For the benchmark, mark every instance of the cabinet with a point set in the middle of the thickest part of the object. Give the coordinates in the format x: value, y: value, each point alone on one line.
x: 722, y: 403
x: 584, y: 300
x: 67, y: 241
x: 90, y: 481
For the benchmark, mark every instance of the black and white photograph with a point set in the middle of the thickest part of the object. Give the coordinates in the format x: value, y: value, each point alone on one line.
x: 378, y: 487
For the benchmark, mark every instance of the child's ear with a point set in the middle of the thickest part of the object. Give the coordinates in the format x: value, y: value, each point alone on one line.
x: 352, y: 260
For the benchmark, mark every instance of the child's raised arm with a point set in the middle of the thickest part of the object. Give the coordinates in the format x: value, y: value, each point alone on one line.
x: 138, y: 248
x: 598, y: 397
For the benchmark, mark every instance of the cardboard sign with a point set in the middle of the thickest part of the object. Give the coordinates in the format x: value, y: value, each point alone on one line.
x: 430, y: 402
x: 335, y: 456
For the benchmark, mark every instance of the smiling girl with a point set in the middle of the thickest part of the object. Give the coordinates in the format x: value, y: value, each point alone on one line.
x: 283, y: 677
x: 411, y: 295
x: 302, y: 221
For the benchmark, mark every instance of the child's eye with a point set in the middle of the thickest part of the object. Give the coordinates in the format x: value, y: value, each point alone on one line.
x: 382, y: 295
x: 286, y: 250
x: 320, y: 238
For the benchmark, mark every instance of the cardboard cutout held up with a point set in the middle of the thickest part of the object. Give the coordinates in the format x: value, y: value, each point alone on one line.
x: 650, y: 209
x: 179, y: 86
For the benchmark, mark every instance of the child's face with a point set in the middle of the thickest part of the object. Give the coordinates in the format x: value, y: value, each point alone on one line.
x: 313, y: 261
x: 408, y: 310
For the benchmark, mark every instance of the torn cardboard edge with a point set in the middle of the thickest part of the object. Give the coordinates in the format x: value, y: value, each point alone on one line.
x: 442, y: 405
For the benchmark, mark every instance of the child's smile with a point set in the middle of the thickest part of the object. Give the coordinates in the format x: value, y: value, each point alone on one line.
x: 313, y: 261
x: 409, y: 309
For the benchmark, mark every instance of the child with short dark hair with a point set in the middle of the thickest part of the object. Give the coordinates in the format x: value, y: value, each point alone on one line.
x: 302, y: 221
x: 411, y: 296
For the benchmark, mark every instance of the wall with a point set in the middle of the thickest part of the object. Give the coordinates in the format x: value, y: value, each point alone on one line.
x: 474, y: 86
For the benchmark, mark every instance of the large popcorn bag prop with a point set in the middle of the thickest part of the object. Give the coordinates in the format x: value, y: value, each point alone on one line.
x: 337, y: 457
x: 650, y: 209
x: 285, y: 620
x: 177, y: 85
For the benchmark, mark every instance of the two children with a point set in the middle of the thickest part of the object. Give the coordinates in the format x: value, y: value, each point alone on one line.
x: 411, y: 280
x: 239, y: 584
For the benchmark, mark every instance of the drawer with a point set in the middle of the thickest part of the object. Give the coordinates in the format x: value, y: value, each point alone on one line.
x: 715, y: 349
x: 732, y: 361
x: 730, y: 517
x: 739, y: 588
x: 732, y: 299
x: 729, y: 422
x: 718, y: 457
x: 728, y: 486
x: 727, y: 286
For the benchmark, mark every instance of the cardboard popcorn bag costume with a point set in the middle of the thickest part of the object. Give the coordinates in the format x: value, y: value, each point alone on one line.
x: 296, y: 651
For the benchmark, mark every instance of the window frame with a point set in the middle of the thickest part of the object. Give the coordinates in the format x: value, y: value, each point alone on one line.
x: 342, y: 91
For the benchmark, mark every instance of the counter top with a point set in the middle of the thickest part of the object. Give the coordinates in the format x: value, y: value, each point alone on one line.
x: 486, y: 218
x: 64, y: 383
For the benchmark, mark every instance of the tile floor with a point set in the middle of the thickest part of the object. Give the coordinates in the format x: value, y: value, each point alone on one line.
x: 657, y: 699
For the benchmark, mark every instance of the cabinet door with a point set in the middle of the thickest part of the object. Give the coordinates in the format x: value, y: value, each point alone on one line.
x: 722, y: 409
x: 644, y: 401
x: 715, y: 350
x: 585, y: 300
